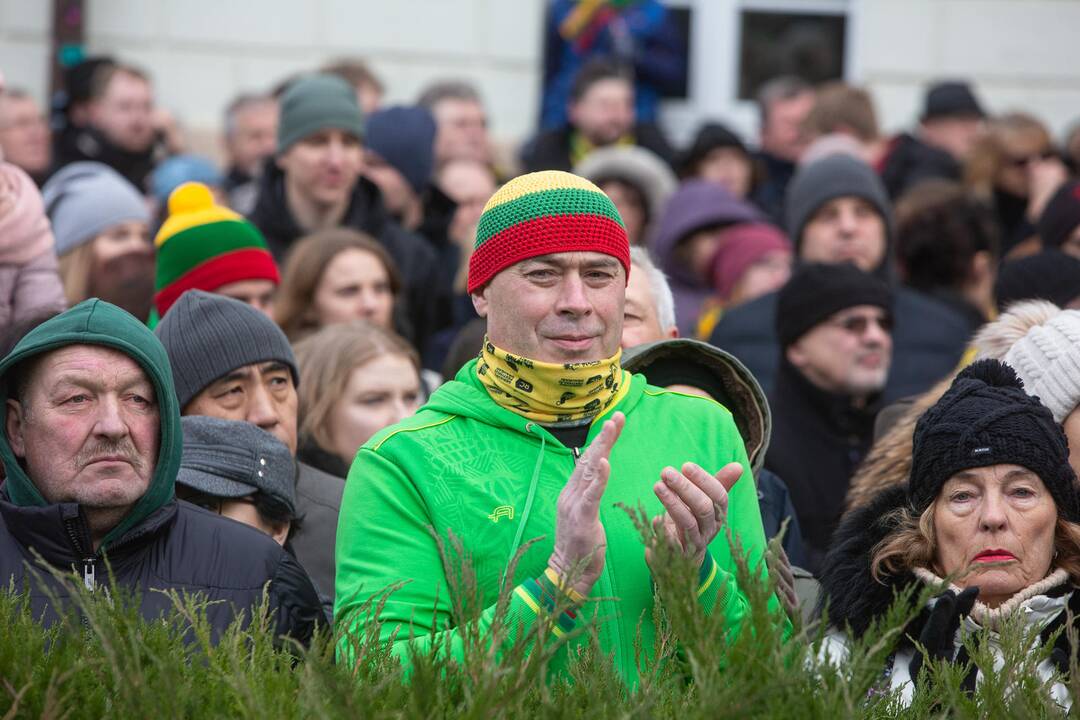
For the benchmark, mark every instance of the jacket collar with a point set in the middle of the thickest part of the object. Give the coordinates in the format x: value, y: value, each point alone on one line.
x: 59, y: 532
x: 834, y: 410
x: 366, y: 211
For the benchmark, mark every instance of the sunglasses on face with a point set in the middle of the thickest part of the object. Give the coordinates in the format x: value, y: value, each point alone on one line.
x: 1020, y: 162
x: 858, y: 324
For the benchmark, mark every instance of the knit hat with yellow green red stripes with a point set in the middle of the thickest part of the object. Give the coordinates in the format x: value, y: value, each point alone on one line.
x: 542, y: 213
x: 202, y: 246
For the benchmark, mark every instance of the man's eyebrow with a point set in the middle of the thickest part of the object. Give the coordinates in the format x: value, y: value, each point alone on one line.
x: 274, y: 366
x: 241, y: 373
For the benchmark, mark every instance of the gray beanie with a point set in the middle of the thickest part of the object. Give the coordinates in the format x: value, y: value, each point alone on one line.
x: 317, y: 102
x: 1047, y: 360
x: 208, y: 336
x: 86, y: 198
x: 831, y: 177
x: 232, y: 458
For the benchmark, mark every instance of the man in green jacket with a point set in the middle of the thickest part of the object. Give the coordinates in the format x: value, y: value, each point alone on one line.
x: 495, y: 457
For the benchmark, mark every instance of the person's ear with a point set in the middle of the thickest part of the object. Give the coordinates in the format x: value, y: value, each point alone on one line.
x: 280, y: 533
x: 982, y: 266
x: 14, y: 426
x: 480, y: 301
x: 795, y: 355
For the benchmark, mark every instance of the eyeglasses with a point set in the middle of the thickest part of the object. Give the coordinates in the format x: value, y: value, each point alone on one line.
x: 1020, y: 162
x: 858, y: 324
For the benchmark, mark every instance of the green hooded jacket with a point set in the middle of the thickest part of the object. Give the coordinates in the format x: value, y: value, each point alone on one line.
x: 95, y: 322
x: 466, y: 465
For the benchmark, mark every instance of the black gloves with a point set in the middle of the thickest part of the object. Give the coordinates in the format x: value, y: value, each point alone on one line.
x: 938, y: 635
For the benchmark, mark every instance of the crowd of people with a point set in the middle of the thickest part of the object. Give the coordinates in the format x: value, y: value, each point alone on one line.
x: 369, y: 331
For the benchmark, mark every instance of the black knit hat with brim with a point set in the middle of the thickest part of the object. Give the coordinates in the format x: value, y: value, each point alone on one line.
x: 985, y: 418
x: 819, y: 290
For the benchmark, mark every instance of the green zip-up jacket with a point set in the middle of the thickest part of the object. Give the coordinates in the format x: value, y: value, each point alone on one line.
x: 464, y: 464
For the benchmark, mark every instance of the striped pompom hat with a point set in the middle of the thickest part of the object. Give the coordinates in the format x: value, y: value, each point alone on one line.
x: 202, y: 246
x: 543, y: 213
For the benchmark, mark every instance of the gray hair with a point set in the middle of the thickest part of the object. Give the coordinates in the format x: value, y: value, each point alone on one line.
x: 241, y: 103
x: 658, y: 283
x: 448, y: 90
x: 784, y: 87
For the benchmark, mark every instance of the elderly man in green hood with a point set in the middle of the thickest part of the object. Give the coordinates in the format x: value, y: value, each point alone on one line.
x: 91, y: 447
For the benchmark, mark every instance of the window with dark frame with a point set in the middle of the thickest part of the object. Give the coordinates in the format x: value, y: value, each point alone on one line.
x: 807, y: 45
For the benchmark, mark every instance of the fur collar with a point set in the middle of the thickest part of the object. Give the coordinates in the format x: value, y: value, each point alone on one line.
x: 854, y: 597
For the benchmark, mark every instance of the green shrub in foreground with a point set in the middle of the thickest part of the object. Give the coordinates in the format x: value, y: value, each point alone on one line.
x: 104, y: 660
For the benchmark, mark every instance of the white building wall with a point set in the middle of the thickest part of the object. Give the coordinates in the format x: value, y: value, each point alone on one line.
x: 1020, y: 53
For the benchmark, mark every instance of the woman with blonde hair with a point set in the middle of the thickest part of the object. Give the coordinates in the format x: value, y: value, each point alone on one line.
x: 355, y: 379
x: 1015, y: 168
x: 989, y: 521
x: 102, y: 228
x: 338, y: 275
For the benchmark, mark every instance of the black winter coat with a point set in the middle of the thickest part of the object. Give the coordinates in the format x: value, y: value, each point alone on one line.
x: 178, y: 547
x: 929, y: 338
x: 424, y: 302
x: 818, y: 441
x: 911, y: 161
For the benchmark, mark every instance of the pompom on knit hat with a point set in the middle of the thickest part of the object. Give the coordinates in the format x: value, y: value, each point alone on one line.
x: 985, y: 418
x: 1047, y: 360
x: 314, y: 103
x: 543, y: 213
x: 202, y: 246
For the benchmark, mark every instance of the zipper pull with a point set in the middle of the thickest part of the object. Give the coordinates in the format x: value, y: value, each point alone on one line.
x: 577, y: 453
x: 88, y: 574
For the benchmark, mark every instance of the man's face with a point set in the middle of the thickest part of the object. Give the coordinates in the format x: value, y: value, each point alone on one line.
x: 24, y: 135
x: 605, y: 112
x: 397, y: 193
x: 559, y: 308
x: 87, y: 429
x: 955, y: 135
x: 262, y: 394
x: 323, y: 167
x: 641, y: 322
x: 781, y: 134
x: 462, y: 131
x: 469, y: 184
x: 845, y: 229
x: 254, y: 136
x: 848, y: 354
x: 259, y: 294
x: 124, y: 112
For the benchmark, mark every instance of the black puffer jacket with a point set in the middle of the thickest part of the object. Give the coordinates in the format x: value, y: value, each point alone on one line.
x: 178, y: 547
x: 424, y: 304
x: 159, y: 543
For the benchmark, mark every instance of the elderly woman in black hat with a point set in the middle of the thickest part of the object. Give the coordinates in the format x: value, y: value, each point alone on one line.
x: 988, y: 521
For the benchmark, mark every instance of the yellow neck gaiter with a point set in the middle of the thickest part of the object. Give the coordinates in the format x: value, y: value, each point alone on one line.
x: 552, y: 393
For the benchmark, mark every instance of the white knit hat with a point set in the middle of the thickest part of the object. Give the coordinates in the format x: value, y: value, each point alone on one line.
x: 1047, y: 359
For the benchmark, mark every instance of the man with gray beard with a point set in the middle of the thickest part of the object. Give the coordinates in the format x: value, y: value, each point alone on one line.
x: 834, y: 323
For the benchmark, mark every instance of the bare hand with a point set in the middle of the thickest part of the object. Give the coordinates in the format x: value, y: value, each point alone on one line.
x: 1045, y: 176
x: 696, y: 506
x: 580, y: 539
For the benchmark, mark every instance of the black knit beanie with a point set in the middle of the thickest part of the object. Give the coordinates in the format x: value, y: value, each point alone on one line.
x: 818, y: 290
x: 1050, y: 275
x: 985, y: 418
x: 1061, y: 216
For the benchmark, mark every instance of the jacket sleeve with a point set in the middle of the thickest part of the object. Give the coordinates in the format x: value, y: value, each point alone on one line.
x: 298, y: 608
x: 718, y: 588
x: 37, y: 288
x: 386, y: 554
